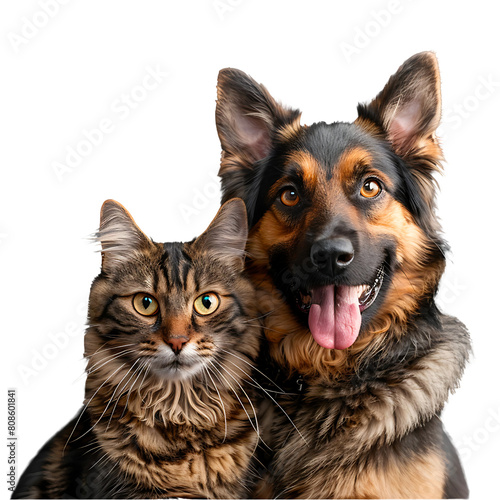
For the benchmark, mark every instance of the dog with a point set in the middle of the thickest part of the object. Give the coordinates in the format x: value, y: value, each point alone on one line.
x: 346, y: 252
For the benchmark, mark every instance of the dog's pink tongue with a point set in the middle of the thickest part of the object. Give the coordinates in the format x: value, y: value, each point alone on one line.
x: 334, y: 316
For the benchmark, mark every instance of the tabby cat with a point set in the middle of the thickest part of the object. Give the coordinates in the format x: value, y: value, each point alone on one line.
x: 171, y: 342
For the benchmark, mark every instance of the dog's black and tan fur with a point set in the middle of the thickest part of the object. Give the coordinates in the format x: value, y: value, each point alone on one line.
x: 368, y: 415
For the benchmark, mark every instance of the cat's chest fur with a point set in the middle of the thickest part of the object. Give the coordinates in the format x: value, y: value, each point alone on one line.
x: 183, y: 460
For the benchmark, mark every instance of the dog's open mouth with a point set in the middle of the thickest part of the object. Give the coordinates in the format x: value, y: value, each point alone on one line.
x: 334, y: 311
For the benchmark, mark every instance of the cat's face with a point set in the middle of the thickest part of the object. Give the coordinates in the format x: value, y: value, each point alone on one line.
x: 171, y: 310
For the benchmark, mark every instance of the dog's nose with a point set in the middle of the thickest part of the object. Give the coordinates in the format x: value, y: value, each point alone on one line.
x: 333, y: 254
x: 177, y: 343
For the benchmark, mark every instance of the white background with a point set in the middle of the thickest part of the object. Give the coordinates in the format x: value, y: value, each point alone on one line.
x: 63, y: 73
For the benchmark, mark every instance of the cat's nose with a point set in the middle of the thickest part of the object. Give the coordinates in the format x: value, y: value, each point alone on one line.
x: 177, y: 342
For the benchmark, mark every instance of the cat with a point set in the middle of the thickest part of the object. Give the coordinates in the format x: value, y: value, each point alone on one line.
x: 171, y: 341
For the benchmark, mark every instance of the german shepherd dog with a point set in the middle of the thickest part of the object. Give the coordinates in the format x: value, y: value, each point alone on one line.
x: 346, y: 252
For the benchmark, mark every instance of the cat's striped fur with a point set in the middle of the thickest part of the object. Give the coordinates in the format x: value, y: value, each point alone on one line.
x: 162, y: 417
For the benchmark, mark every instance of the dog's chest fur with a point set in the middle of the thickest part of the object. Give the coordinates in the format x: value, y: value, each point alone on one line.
x: 373, y: 427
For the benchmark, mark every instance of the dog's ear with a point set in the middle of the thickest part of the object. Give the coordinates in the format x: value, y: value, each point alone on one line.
x: 409, y: 107
x: 407, y: 112
x: 247, y: 119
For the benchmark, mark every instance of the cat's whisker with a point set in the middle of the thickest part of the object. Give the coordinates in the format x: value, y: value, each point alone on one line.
x: 265, y: 391
x: 270, y: 329
x: 95, y: 446
x: 86, y: 406
x: 279, y: 406
x: 205, y: 368
x: 231, y: 373
x: 142, y: 382
x: 121, y: 346
x: 110, y: 471
x: 138, y: 374
x: 207, y: 386
x: 102, y: 350
x: 104, y: 344
x: 93, y: 364
x: 257, y: 385
x: 259, y: 317
x: 252, y: 382
x: 254, y: 368
x: 91, y: 443
x: 290, y: 487
x: 220, y: 378
x: 90, y: 450
x: 105, y: 456
x: 122, y: 391
x: 85, y: 372
x: 110, y: 358
x: 256, y: 425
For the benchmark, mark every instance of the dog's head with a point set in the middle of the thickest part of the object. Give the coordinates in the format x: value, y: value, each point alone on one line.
x: 342, y: 214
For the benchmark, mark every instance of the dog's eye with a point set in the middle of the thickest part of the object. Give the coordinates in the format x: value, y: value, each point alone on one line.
x: 289, y: 197
x: 370, y: 188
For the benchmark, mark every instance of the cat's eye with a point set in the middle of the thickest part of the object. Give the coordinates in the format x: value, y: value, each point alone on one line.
x: 289, y: 197
x: 206, y: 304
x: 144, y: 304
x: 370, y: 188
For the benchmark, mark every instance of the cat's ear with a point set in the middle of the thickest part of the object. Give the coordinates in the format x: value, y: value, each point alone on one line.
x: 408, y: 109
x: 247, y: 119
x: 119, y: 235
x: 226, y: 236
